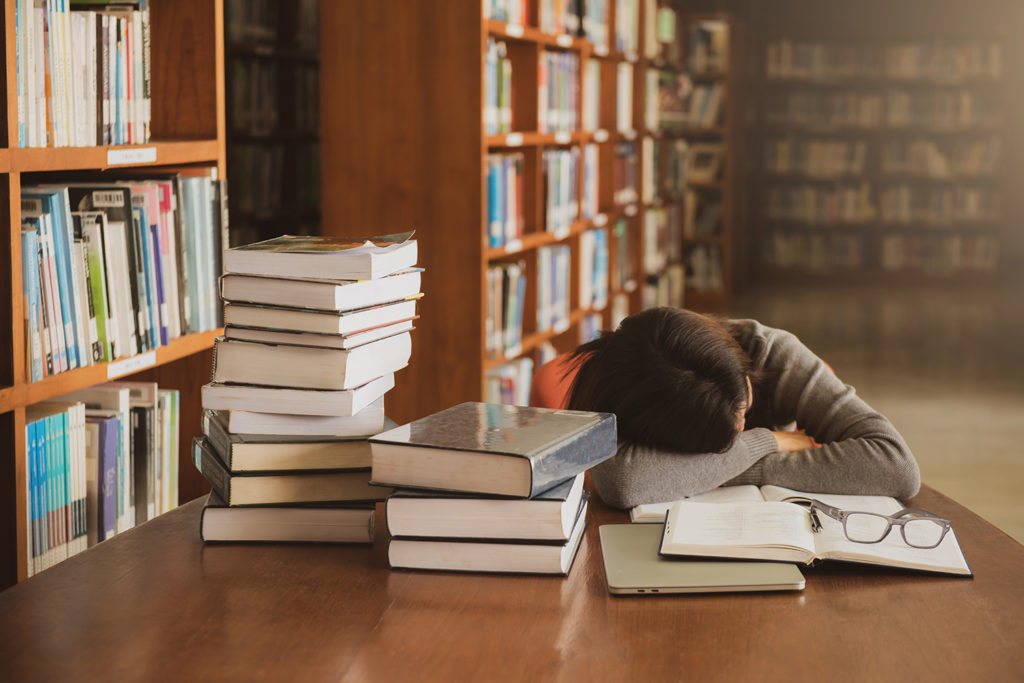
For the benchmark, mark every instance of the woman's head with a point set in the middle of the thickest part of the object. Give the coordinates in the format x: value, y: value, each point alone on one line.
x: 673, y: 378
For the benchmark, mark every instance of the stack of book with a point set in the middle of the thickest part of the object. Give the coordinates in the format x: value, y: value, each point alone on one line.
x: 490, y: 488
x: 299, y: 379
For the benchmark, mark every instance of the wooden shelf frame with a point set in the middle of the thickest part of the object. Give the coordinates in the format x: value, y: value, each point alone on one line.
x: 188, y: 130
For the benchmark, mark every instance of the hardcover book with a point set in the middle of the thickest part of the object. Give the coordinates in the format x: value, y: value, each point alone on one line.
x: 503, y: 450
x: 549, y: 516
x: 367, y: 422
x: 325, y: 295
x: 285, y: 524
x: 340, y: 258
x: 326, y: 341
x: 311, y: 320
x: 282, y: 489
x: 260, y: 399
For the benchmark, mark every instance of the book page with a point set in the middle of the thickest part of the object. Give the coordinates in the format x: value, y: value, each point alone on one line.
x: 766, y: 530
x: 655, y: 512
x: 883, y: 505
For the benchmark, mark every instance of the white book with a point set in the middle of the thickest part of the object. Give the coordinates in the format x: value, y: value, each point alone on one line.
x: 310, y: 320
x: 328, y: 295
x: 261, y: 399
x: 367, y: 422
x: 327, y: 341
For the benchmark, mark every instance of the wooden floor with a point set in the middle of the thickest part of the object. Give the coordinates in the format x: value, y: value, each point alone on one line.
x: 946, y: 366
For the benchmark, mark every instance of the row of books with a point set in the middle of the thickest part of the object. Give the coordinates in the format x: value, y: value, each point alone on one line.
x: 266, y: 174
x: 820, y: 158
x: 708, y: 44
x: 668, y: 100
x: 703, y: 214
x: 263, y: 22
x: 945, y: 109
x: 562, y: 189
x: 497, y: 88
x: 509, y: 383
x: 506, y: 301
x: 558, y: 91
x: 707, y: 102
x: 594, y: 256
x: 704, y: 267
x: 504, y: 182
x: 941, y: 61
x: 942, y: 109
x: 113, y: 269
x: 590, y: 202
x: 943, y: 253
x: 666, y: 289
x: 553, y: 268
x: 452, y: 511
x: 844, y: 202
x: 298, y: 385
x: 557, y: 17
x: 257, y: 97
x: 590, y: 325
x: 99, y: 461
x: 83, y: 76
x: 814, y: 250
x: 942, y: 158
x: 662, y: 238
x: 902, y: 203
x: 627, y: 26
x: 590, y: 98
x: 624, y: 98
x: 621, y: 267
x: 824, y: 108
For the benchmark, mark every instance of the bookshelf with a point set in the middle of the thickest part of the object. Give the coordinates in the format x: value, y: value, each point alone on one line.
x: 187, y: 131
x: 882, y: 159
x: 416, y: 154
x: 272, y: 64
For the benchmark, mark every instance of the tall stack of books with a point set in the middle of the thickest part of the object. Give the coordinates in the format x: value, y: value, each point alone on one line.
x: 490, y: 488
x: 315, y: 329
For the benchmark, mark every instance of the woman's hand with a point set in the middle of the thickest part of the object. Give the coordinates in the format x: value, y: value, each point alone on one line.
x: 794, y: 441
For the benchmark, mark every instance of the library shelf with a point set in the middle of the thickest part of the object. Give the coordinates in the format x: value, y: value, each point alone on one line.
x: 187, y: 60
x: 533, y: 139
x: 529, y: 34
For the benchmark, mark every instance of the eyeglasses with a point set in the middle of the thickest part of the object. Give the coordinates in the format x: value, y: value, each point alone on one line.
x: 919, y: 528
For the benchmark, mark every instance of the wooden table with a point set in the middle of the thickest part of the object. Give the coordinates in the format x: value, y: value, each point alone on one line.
x: 156, y: 604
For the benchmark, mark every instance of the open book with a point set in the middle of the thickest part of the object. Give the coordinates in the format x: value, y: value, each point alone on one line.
x: 767, y: 527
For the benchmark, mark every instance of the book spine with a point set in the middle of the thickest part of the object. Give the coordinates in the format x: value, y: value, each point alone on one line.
x: 108, y: 482
x: 157, y: 282
x: 30, y: 291
x: 93, y: 242
x: 53, y: 297
x: 211, y: 470
x: 569, y: 458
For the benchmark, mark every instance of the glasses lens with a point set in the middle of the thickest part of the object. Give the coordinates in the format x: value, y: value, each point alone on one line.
x: 922, y: 533
x: 865, y: 527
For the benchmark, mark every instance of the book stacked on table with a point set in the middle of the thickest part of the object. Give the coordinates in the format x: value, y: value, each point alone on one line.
x: 490, y: 488
x: 315, y: 329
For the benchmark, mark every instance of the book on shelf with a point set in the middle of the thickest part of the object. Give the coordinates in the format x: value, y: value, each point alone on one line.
x: 327, y: 295
x: 708, y: 46
x: 307, y: 367
x: 512, y: 451
x: 262, y: 399
x: 509, y: 383
x: 331, y: 258
x: 242, y: 453
x: 775, y: 525
x: 318, y: 339
x: 325, y: 322
x: 553, y: 268
x: 368, y: 421
x: 505, y: 213
x: 506, y: 294
x: 548, y: 516
x: 101, y: 476
x: 220, y: 522
x: 491, y: 555
x: 282, y: 489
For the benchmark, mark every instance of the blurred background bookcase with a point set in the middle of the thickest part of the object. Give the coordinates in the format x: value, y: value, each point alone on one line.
x: 187, y: 132
x: 419, y: 149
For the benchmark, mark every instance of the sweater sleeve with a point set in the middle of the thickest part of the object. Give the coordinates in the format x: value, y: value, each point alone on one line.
x: 861, y: 452
x: 646, y: 474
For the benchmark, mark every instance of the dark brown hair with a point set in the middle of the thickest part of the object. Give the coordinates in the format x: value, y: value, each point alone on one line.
x: 673, y: 378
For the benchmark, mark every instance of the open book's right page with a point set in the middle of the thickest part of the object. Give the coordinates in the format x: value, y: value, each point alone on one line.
x: 831, y: 542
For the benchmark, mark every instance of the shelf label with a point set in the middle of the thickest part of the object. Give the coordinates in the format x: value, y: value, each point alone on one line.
x: 137, y: 155
x: 631, y: 210
x: 629, y: 287
x: 564, y: 40
x: 130, y: 365
x: 514, y: 30
x: 629, y: 134
x: 561, y: 327
x: 601, y: 50
x: 600, y: 219
x: 600, y: 135
x: 514, y: 139
x: 513, y: 246
x: 561, y: 234
x: 563, y: 138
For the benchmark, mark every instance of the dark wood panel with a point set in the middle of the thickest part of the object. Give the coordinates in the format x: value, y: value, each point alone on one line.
x: 276, y: 612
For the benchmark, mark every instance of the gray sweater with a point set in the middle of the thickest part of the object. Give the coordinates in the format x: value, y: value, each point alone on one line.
x: 861, y: 452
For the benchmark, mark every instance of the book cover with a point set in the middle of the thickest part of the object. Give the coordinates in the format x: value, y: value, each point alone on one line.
x: 497, y: 449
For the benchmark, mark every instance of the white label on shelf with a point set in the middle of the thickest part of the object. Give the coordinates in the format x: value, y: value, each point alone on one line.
x: 600, y: 306
x: 563, y: 138
x: 130, y: 365
x: 600, y: 135
x: 631, y: 210
x: 514, y: 30
x: 564, y: 40
x: 600, y: 220
x: 513, y: 246
x: 513, y: 351
x: 561, y: 234
x: 514, y: 139
x: 629, y: 134
x: 561, y: 326
x: 601, y: 50
x: 631, y: 56
x: 137, y: 155
x: 629, y: 287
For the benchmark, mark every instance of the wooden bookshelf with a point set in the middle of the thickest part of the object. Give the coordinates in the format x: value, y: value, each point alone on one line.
x: 188, y: 130
x: 413, y: 155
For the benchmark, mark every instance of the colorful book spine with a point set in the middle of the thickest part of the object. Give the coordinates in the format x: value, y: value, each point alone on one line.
x: 30, y: 290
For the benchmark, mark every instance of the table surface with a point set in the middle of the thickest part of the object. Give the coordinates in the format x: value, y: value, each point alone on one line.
x: 157, y: 604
